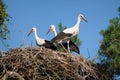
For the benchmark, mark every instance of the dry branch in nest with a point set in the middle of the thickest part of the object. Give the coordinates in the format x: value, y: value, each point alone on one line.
x: 45, y: 64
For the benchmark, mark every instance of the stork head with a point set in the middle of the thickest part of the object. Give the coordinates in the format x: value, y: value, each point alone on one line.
x: 52, y: 27
x: 82, y: 17
x: 32, y: 30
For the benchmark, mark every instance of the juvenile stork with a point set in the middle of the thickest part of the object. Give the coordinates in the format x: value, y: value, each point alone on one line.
x: 68, y: 33
x: 72, y: 46
x: 52, y: 27
x: 42, y: 42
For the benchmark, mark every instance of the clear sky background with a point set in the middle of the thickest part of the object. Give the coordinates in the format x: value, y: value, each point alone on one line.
x: 42, y: 13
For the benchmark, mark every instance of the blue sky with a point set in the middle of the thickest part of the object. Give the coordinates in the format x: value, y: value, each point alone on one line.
x: 42, y: 13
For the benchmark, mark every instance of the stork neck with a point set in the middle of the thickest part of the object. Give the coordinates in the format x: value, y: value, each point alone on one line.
x: 55, y: 32
x: 35, y: 35
x: 78, y: 23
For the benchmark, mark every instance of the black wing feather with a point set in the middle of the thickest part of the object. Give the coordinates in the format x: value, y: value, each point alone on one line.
x: 60, y: 36
x: 50, y: 45
x: 73, y: 47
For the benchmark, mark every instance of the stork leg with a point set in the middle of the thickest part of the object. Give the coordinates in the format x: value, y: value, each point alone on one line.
x: 68, y: 46
x: 63, y: 46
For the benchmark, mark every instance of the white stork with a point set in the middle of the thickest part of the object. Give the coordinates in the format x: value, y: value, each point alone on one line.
x: 72, y: 46
x: 42, y: 42
x: 68, y: 33
x: 52, y: 27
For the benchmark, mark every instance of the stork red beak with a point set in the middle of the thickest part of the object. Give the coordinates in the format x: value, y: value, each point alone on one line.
x: 30, y: 32
x: 48, y: 30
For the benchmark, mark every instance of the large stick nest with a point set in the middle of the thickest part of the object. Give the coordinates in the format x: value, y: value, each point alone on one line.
x: 45, y: 64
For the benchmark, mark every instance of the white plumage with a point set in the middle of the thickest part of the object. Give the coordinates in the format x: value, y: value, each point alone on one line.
x: 68, y: 33
x: 41, y: 41
x: 73, y: 47
x: 52, y: 27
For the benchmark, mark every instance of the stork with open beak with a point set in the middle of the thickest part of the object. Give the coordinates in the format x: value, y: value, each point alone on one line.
x: 41, y: 41
x: 68, y: 33
x: 72, y: 46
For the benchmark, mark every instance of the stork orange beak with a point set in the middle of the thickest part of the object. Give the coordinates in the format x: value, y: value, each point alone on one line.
x: 48, y: 30
x: 30, y: 32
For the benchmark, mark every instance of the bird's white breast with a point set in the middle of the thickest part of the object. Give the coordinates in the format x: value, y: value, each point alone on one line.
x: 69, y: 30
x: 40, y: 41
x: 73, y: 31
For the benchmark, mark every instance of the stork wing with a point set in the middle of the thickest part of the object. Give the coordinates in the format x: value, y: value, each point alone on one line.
x: 73, y: 47
x: 61, y: 36
x: 50, y: 45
